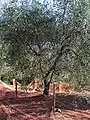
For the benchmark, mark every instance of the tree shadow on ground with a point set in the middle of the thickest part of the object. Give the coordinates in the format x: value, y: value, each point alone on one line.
x: 70, y: 102
x: 38, y: 104
x: 63, y: 101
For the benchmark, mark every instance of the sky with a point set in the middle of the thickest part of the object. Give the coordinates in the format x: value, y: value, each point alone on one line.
x: 7, y: 1
x: 2, y: 2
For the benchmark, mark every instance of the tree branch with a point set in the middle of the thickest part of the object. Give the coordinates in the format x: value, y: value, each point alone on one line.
x: 41, y: 67
x: 51, y: 77
x: 36, y: 53
x: 76, y: 55
x: 56, y: 60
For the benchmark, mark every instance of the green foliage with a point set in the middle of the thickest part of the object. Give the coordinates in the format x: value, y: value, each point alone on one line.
x: 41, y: 42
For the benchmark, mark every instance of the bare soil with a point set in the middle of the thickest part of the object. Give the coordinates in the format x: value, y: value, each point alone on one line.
x: 35, y: 106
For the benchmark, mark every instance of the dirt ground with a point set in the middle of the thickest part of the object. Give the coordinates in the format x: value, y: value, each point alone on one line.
x: 35, y: 106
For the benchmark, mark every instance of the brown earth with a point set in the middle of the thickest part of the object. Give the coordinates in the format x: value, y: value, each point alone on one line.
x: 36, y: 106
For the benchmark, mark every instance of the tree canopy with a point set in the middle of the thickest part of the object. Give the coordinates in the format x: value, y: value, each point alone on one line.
x: 46, y: 41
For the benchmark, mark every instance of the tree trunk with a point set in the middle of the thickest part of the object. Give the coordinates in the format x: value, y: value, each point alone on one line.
x: 47, y: 83
x: 46, y: 87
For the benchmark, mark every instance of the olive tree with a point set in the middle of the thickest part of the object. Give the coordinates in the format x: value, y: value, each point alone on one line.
x: 45, y: 41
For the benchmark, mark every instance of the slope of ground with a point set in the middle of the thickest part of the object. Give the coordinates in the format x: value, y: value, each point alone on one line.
x: 35, y: 106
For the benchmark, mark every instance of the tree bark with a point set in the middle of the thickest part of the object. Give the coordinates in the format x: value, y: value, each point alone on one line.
x: 46, y: 87
x: 46, y: 84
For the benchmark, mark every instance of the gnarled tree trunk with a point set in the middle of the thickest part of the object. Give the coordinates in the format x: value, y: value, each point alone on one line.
x: 46, y: 87
x: 47, y: 83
